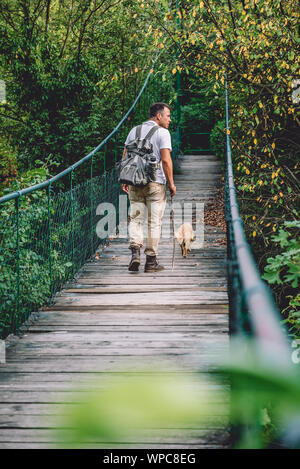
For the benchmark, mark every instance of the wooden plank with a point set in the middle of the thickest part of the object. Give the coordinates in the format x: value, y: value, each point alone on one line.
x: 40, y: 394
x: 162, y: 333
x: 140, y: 289
x: 215, y: 308
x: 50, y: 350
x: 155, y: 318
x: 172, y: 362
x: 32, y: 445
x: 105, y: 280
x: 125, y: 275
x: 141, y: 299
x: 54, y: 421
x: 80, y: 382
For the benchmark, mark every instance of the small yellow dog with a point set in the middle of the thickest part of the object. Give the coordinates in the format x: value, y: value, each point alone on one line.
x: 185, y: 236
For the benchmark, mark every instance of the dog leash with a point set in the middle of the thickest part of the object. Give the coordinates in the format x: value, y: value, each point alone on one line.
x: 173, y: 232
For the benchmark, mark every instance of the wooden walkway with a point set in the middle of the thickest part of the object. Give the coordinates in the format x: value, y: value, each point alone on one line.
x: 110, y: 320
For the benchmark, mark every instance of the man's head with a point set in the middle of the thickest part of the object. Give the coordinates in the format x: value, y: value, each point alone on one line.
x: 161, y: 114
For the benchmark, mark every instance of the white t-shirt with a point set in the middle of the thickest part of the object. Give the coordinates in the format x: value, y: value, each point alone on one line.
x: 160, y: 139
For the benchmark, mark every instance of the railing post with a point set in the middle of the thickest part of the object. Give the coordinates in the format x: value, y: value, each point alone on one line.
x: 50, y: 240
x: 13, y: 325
x: 115, y: 149
x: 72, y: 219
x: 104, y: 171
x: 116, y: 177
x: 91, y: 206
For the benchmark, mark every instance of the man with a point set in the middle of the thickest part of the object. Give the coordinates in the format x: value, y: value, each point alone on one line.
x: 153, y: 195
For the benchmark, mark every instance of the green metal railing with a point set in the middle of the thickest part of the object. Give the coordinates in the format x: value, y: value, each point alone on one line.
x: 47, y: 234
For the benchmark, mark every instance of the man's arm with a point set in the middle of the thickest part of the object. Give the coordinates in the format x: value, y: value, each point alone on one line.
x: 167, y: 165
x: 125, y: 187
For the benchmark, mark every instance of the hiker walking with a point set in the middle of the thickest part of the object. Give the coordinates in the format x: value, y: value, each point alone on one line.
x: 152, y: 194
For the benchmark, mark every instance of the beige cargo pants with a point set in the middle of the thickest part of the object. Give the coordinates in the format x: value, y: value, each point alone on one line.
x: 151, y: 199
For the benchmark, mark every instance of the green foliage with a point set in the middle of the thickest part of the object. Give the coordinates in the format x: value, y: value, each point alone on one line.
x: 284, y: 269
x: 139, y: 404
x: 70, y: 74
x: 217, y: 139
x: 264, y: 393
x: 255, y: 45
x: 196, y: 116
x: 264, y: 399
x: 8, y: 162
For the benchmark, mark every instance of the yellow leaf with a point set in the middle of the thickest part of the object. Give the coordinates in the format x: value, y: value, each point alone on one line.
x: 174, y: 71
x: 254, y: 234
x: 136, y: 69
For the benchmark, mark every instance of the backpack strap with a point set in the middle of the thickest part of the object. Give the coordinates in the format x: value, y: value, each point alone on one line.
x: 151, y: 132
x: 138, y: 131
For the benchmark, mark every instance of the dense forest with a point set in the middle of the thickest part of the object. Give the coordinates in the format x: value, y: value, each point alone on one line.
x: 73, y: 68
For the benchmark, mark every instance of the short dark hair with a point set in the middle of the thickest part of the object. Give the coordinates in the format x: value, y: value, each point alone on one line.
x: 157, y: 107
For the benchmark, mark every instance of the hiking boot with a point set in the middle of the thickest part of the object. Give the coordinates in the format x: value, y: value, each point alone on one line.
x: 134, y: 264
x: 152, y: 265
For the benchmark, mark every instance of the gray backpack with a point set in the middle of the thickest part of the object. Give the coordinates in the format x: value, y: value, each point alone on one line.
x: 139, y: 166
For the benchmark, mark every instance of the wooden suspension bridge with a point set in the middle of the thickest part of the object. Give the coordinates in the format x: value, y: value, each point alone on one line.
x: 110, y: 320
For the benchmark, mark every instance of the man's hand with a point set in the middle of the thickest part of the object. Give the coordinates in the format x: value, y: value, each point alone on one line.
x: 168, y: 169
x: 125, y: 188
x: 172, y: 189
